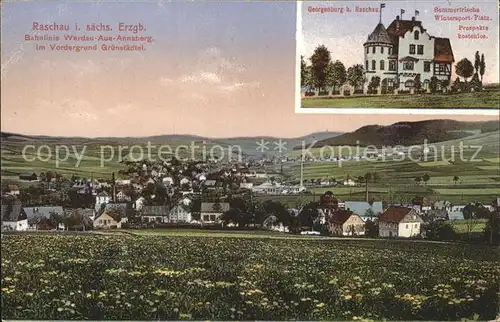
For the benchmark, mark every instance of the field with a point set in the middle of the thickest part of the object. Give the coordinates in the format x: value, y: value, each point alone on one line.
x: 478, y: 177
x: 206, y: 278
x: 463, y: 100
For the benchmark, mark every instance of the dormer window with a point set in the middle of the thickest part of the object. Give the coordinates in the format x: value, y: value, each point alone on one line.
x: 416, y: 34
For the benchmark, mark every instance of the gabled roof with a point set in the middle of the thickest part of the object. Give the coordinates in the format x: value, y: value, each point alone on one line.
x: 43, y: 211
x: 340, y: 217
x: 395, y: 214
x: 442, y: 50
x: 13, y: 211
x: 379, y: 35
x: 400, y: 27
x: 103, y: 194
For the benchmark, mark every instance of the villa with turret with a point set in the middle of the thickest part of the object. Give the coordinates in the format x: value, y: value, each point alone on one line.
x: 405, y: 56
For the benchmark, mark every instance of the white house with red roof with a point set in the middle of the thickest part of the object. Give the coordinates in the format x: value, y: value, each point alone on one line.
x: 405, y: 52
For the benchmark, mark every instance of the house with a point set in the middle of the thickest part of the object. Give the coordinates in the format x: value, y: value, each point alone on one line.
x: 101, y: 198
x: 109, y: 220
x: 211, y: 211
x: 157, y: 214
x: 435, y: 214
x: 13, y: 190
x: 399, y: 222
x: 268, y: 188
x: 28, y: 176
x: 456, y: 215
x: 349, y: 182
x: 37, y: 215
x: 246, y: 185
x: 346, y: 223
x: 405, y: 53
x: 13, y: 216
x: 180, y: 213
x: 122, y: 196
x: 272, y: 223
x: 365, y: 209
x: 139, y: 202
x: 210, y: 184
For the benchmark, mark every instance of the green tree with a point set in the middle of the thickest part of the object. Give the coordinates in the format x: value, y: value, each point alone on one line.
x: 482, y: 67
x: 369, y: 213
x: 440, y: 230
x: 319, y: 62
x: 374, y: 83
x: 418, y: 180
x: 464, y: 69
x: 477, y: 62
x: 433, y: 85
x: 425, y: 178
x: 355, y: 75
x: 371, y: 228
x: 304, y: 72
x: 336, y: 75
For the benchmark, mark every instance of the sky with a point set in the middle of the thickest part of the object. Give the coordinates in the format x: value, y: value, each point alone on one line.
x: 344, y: 34
x: 215, y: 69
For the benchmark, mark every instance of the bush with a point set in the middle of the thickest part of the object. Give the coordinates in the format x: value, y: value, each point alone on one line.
x: 440, y: 230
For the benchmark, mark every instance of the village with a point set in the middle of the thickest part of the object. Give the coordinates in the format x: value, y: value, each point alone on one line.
x: 231, y: 195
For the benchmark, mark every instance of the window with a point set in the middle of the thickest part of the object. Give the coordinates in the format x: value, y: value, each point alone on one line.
x: 381, y: 50
x: 416, y: 225
x: 367, y: 49
x: 427, y: 66
x: 420, y: 49
x: 390, y: 51
x: 408, y: 65
x: 392, y: 65
x: 382, y: 64
x: 366, y: 65
x: 373, y: 49
x: 206, y: 217
x: 406, y: 225
x: 374, y: 63
x: 442, y: 68
x: 417, y: 35
x: 412, y: 49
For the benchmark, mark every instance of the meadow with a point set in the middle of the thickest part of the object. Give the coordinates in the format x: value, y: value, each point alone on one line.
x: 478, y: 174
x: 487, y: 99
x: 213, y: 278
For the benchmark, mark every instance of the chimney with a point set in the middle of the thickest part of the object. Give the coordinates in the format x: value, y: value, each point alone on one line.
x: 397, y: 17
x: 114, y: 188
x: 366, y: 190
x: 412, y: 18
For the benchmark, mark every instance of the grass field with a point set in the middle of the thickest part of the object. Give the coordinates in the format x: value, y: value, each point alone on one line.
x: 463, y: 226
x: 209, y: 278
x: 488, y: 99
x: 478, y: 177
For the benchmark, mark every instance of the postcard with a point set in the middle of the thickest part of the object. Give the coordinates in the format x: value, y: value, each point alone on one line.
x: 153, y: 169
x: 398, y: 56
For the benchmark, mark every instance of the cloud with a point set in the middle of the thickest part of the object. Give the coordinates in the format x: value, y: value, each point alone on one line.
x: 165, y: 81
x: 203, y: 77
x: 239, y: 86
x: 82, y: 69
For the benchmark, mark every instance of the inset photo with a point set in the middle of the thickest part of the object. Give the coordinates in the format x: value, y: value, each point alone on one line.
x: 398, y: 56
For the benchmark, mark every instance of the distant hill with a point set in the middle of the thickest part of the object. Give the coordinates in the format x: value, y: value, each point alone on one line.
x: 410, y: 133
x: 248, y: 145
